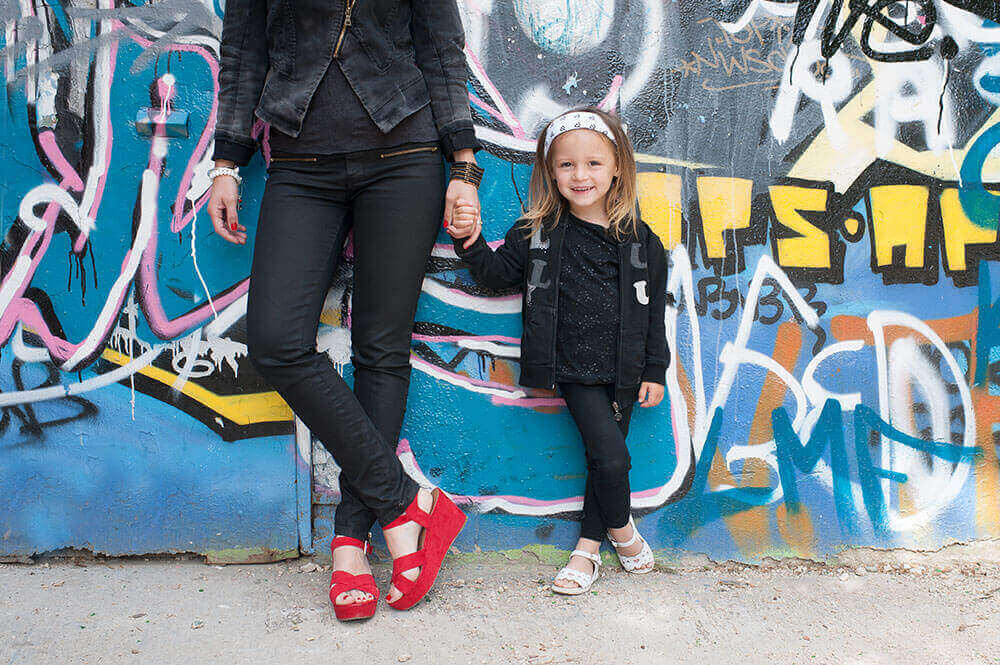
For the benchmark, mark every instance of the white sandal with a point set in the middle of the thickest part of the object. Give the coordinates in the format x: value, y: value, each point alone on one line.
x: 640, y: 563
x: 583, y: 579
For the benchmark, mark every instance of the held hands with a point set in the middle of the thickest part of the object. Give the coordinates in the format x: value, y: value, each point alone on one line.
x: 223, y: 208
x: 465, y: 222
x: 462, y: 192
x: 650, y: 394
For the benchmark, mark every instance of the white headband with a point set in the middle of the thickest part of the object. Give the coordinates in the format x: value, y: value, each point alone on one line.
x: 577, y: 120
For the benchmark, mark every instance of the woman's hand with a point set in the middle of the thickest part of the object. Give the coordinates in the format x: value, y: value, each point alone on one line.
x: 223, y: 209
x: 650, y: 394
x: 468, y: 195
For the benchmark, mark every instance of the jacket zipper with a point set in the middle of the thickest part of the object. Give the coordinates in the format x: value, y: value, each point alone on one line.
x: 343, y: 28
x: 621, y: 319
x: 555, y: 300
x: 293, y: 159
x: 618, y: 411
x: 408, y: 151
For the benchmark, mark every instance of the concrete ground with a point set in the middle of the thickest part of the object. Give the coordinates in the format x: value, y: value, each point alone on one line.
x: 491, y: 610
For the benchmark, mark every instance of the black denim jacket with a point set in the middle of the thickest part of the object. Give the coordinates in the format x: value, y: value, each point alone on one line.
x: 533, y: 264
x: 397, y: 55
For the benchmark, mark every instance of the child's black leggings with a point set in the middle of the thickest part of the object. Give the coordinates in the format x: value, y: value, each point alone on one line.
x: 607, y: 501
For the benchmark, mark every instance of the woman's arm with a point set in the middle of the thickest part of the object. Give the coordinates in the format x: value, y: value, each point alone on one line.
x: 439, y: 44
x: 243, y: 64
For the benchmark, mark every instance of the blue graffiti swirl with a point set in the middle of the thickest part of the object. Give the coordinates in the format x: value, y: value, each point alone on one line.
x: 981, y: 206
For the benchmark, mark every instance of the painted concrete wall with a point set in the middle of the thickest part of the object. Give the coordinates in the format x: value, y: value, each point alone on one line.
x: 821, y: 174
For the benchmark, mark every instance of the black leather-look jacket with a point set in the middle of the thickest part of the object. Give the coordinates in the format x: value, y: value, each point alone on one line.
x: 397, y: 55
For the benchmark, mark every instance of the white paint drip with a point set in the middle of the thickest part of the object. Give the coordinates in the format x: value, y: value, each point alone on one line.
x: 197, y: 270
x: 144, y: 231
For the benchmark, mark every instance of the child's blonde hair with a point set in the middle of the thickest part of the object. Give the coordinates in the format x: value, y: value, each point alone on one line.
x: 546, y: 203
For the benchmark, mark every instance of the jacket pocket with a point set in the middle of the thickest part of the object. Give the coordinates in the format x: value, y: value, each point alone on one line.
x: 537, y: 338
x: 281, y: 37
x: 633, y: 356
x: 370, y: 28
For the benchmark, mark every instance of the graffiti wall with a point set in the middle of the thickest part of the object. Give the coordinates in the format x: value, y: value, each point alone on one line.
x: 130, y: 422
x: 822, y: 174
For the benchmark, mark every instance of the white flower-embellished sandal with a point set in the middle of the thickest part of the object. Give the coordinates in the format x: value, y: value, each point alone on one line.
x: 583, y: 579
x: 638, y: 564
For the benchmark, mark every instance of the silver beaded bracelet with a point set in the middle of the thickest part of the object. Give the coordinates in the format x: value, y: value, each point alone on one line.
x: 234, y: 172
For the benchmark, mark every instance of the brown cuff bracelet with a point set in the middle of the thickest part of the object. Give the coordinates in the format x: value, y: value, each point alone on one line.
x: 467, y: 172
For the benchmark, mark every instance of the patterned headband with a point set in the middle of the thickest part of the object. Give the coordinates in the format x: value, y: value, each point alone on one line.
x: 577, y: 120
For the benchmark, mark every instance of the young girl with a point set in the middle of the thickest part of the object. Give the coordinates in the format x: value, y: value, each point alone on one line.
x: 594, y: 281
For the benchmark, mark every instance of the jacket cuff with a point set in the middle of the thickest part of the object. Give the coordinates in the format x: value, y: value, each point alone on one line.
x: 461, y: 251
x: 655, y: 373
x: 233, y: 151
x: 461, y: 139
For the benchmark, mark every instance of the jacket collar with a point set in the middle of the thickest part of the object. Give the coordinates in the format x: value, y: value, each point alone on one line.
x: 564, y: 220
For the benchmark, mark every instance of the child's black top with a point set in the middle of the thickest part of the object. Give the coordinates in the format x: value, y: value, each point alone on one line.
x: 587, y: 320
x: 532, y: 262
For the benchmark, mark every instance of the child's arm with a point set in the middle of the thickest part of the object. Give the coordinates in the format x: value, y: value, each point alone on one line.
x: 657, y: 353
x: 500, y: 269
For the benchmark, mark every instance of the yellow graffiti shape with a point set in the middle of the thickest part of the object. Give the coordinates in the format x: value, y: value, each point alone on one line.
x: 660, y: 205
x: 960, y: 231
x: 725, y: 207
x: 899, y: 219
x: 241, y: 409
x: 811, y: 249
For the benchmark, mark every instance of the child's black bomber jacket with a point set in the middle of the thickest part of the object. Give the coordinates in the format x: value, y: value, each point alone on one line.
x: 533, y: 264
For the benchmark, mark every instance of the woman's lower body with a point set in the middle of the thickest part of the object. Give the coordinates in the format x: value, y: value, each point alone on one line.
x: 394, y: 206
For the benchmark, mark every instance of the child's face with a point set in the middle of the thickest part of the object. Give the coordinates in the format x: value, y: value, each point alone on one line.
x: 583, y: 164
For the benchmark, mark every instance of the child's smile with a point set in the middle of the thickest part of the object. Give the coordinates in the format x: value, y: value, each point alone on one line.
x: 583, y: 164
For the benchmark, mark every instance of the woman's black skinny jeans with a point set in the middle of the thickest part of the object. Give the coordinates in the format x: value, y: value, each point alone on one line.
x: 607, y: 501
x: 394, y: 205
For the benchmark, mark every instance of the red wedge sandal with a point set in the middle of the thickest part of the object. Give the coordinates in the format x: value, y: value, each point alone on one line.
x: 441, y: 526
x: 343, y: 581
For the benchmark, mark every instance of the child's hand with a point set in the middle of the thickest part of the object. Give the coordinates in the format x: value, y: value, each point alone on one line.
x: 650, y: 394
x: 465, y: 223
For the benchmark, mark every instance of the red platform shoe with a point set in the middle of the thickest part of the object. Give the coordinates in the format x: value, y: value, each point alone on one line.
x: 343, y: 581
x: 441, y: 526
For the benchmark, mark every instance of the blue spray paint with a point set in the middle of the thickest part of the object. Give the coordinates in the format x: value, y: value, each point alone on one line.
x: 980, y: 206
x: 792, y: 454
x: 987, y: 326
x: 865, y: 421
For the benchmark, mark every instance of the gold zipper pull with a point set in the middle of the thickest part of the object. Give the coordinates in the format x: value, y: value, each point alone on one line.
x: 343, y: 28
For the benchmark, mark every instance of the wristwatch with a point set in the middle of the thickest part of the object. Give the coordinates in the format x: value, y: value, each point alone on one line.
x: 226, y: 170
